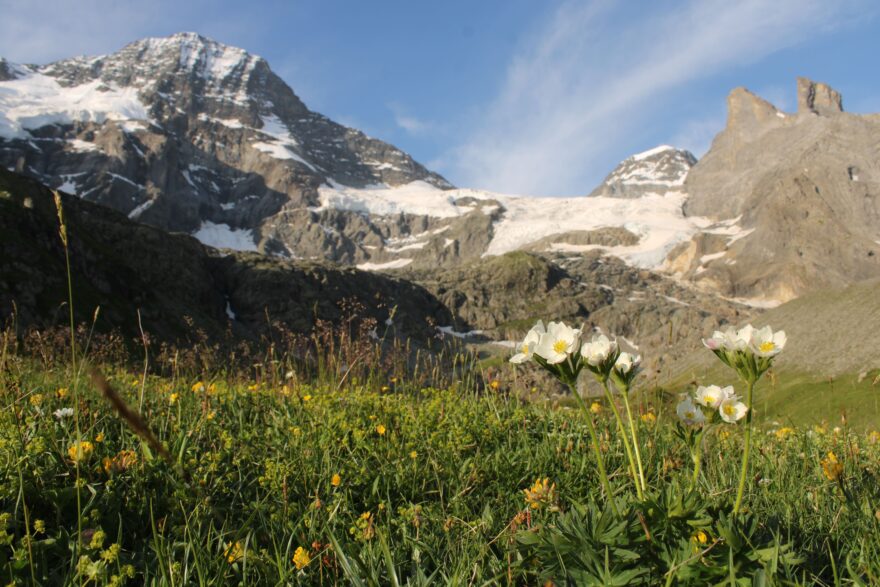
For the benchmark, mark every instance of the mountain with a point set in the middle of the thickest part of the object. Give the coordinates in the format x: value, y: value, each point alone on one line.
x: 189, y: 135
x: 660, y: 169
x: 796, y: 197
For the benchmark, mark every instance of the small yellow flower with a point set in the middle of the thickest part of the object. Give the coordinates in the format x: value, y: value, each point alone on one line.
x: 212, y: 388
x: 380, y: 430
x: 783, y: 432
x: 253, y: 387
x: 99, y: 438
x: 172, y: 399
x: 39, y: 527
x: 234, y: 552
x: 198, y: 387
x: 385, y: 389
x: 335, y: 480
x: 699, y: 539
x: 649, y: 418
x: 307, y: 398
x: 540, y: 494
x: 874, y: 437
x: 80, y: 451
x: 495, y: 384
x: 413, y: 455
x: 596, y: 408
x: 301, y: 558
x: 211, y: 415
x: 832, y: 468
x: 296, y: 430
x: 393, y: 380
x: 62, y: 392
x: 36, y: 399
x: 122, y: 461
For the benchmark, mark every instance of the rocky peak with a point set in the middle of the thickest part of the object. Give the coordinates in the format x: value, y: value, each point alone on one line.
x: 817, y: 98
x: 656, y: 171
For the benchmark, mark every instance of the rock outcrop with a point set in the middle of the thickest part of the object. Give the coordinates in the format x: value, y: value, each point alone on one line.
x: 796, y: 199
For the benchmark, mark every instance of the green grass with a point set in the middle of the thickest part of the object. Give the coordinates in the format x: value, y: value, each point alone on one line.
x: 437, y: 499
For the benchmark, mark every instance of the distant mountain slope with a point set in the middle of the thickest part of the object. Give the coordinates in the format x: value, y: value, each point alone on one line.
x: 123, y: 266
x: 800, y: 194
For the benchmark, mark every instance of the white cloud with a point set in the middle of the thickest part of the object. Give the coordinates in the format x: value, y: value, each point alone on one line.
x: 408, y: 122
x: 590, y: 78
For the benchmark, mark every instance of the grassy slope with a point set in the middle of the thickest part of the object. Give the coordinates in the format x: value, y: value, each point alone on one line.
x: 829, y: 367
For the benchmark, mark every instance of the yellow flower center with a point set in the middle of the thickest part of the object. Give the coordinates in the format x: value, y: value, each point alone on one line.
x: 560, y: 346
x: 689, y: 415
x: 525, y: 349
x: 709, y: 399
x: 767, y: 347
x: 729, y: 409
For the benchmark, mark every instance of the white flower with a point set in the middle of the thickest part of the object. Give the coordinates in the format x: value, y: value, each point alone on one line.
x: 557, y: 343
x: 63, y: 413
x: 743, y: 337
x: 597, y: 351
x: 527, y: 346
x: 689, y: 413
x: 711, y: 396
x: 718, y: 341
x: 626, y: 362
x: 732, y: 410
x: 765, y: 343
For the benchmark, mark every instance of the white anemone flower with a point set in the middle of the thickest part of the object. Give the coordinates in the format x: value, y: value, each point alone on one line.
x: 766, y: 343
x: 689, y: 413
x: 626, y: 362
x: 557, y: 343
x: 732, y: 410
x: 597, y: 351
x: 742, y: 339
x: 717, y: 342
x: 529, y: 343
x: 711, y: 396
x: 62, y: 413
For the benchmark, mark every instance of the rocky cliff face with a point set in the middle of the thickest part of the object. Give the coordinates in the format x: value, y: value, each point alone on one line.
x: 796, y: 198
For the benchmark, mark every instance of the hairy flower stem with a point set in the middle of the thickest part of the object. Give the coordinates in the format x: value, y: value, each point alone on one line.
x: 747, y: 445
x: 635, y: 439
x: 603, y: 476
x: 623, y: 436
x: 697, y: 458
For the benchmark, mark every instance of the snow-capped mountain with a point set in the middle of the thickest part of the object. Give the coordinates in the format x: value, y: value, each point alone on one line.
x: 191, y: 135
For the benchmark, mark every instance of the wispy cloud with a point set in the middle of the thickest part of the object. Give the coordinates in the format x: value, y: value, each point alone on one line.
x: 589, y: 77
x: 408, y: 122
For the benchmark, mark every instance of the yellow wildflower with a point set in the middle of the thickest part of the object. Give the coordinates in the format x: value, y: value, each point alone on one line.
x: 307, y: 398
x: 198, y: 387
x: 649, y: 418
x: 125, y: 459
x: 172, y: 399
x: 36, y: 399
x: 99, y: 438
x: 62, y: 392
x: 80, y: 451
x: 385, y: 389
x: 234, y: 552
x: 301, y: 558
x: 212, y: 388
x: 832, y: 468
x: 495, y: 384
x: 413, y: 455
x: 335, y: 480
x: 380, y: 430
x: 596, y: 408
x: 540, y: 494
x: 783, y: 432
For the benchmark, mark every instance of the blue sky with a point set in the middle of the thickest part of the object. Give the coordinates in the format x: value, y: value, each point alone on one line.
x: 541, y: 98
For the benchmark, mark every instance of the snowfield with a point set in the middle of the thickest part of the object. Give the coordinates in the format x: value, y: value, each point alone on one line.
x: 656, y: 219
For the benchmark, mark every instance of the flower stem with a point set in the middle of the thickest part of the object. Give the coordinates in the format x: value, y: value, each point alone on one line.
x: 635, y: 439
x: 697, y: 457
x: 603, y: 476
x: 623, y: 437
x: 747, y: 444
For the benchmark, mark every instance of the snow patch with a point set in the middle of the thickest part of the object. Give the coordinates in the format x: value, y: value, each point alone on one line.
x: 223, y: 236
x: 651, y: 152
x: 396, y: 264
x: 35, y: 100
x: 136, y: 213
